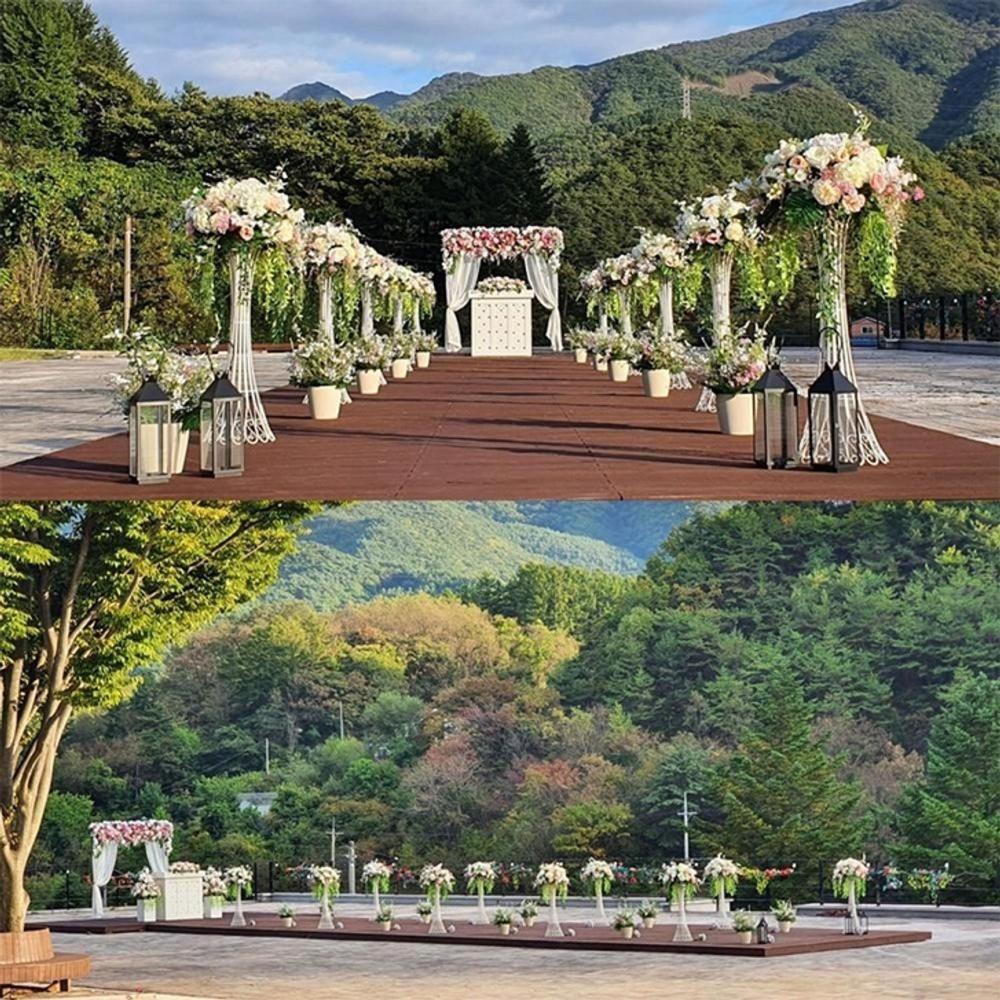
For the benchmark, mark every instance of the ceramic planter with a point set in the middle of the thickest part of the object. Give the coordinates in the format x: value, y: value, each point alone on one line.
x: 145, y: 911
x: 648, y: 922
x: 627, y: 933
x: 618, y: 370
x: 735, y: 414
x: 529, y: 921
x: 400, y: 367
x: 386, y: 925
x: 580, y: 353
x: 368, y: 381
x: 744, y: 937
x: 504, y: 929
x: 287, y: 921
x: 211, y: 907
x: 324, y: 402
x: 179, y: 441
x: 425, y: 918
x: 600, y: 364
x: 656, y: 383
x: 784, y: 926
x: 423, y: 359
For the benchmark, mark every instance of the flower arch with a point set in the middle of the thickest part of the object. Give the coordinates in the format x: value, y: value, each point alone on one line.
x: 463, y: 250
x: 156, y: 834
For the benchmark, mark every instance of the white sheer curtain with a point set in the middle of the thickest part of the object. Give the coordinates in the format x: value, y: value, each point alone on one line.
x: 102, y: 867
x: 667, y: 307
x: 367, y: 317
x: 157, y: 857
x: 625, y: 307
x: 459, y: 285
x: 544, y: 280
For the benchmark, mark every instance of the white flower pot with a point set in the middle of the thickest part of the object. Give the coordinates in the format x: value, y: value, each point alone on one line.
x: 423, y: 359
x: 600, y: 364
x: 145, y: 911
x: 211, y: 907
x: 386, y: 925
x: 656, y: 383
x: 618, y: 370
x: 744, y: 937
x: 425, y: 918
x: 648, y: 922
x: 735, y: 414
x: 529, y: 921
x: 324, y: 402
x: 504, y: 929
x: 627, y: 933
x: 179, y: 441
x: 400, y: 368
x: 784, y: 926
x: 580, y: 353
x: 368, y: 381
x: 287, y: 921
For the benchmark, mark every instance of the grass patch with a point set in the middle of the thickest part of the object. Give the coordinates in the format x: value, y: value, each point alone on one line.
x: 30, y: 354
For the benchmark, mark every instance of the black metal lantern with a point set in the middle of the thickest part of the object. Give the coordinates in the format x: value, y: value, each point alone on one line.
x: 775, y: 420
x: 221, y: 421
x: 856, y: 925
x: 763, y: 931
x: 834, y: 422
x: 150, y: 437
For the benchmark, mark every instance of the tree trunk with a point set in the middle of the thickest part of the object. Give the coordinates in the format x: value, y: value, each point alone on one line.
x: 13, y: 896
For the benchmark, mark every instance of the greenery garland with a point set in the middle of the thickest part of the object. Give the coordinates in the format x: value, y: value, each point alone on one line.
x: 877, y: 259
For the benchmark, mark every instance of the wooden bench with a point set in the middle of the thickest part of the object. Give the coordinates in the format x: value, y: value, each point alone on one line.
x: 27, y: 960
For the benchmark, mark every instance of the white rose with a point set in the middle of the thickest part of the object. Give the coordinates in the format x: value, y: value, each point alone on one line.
x: 734, y: 231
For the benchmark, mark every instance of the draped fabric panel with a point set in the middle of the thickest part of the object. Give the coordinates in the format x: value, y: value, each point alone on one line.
x: 460, y: 283
x: 156, y: 856
x: 102, y: 867
x: 544, y: 281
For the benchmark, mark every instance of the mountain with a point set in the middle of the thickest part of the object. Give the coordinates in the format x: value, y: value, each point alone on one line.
x: 316, y: 91
x: 929, y: 67
x: 362, y: 550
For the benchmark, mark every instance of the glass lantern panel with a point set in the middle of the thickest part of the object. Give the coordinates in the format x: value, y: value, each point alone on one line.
x: 152, y: 441
x: 848, y: 440
x: 777, y: 433
x: 205, y: 431
x: 819, y: 430
x: 234, y: 434
x: 759, y: 428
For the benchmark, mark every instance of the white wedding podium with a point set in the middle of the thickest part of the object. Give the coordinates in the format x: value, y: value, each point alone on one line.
x: 501, y: 324
x: 180, y: 896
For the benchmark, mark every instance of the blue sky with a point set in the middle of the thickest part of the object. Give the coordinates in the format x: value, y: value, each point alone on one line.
x: 361, y: 46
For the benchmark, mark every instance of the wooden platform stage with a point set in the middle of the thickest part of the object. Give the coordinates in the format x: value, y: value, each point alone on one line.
x: 533, y: 428
x: 658, y: 939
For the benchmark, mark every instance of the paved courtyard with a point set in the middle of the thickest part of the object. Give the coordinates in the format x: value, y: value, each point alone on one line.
x: 52, y: 404
x: 962, y: 961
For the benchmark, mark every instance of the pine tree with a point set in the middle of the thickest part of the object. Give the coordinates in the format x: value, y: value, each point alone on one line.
x: 525, y: 197
x: 779, y: 793
x: 953, y: 815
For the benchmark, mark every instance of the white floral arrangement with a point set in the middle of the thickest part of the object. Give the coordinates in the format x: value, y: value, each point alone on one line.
x: 331, y: 246
x: 552, y: 880
x: 184, y: 868
x: 501, y: 243
x: 725, y: 221
x: 599, y: 344
x: 595, y: 282
x: 501, y: 286
x: 626, y: 270
x: 436, y: 879
x: 317, y: 362
x: 480, y: 875
x: 238, y: 877
x: 213, y: 885
x: 243, y: 211
x: 376, y: 873
x: 371, y: 353
x: 722, y: 874
x: 144, y: 886
x: 681, y: 878
x: 599, y: 874
x: 664, y: 253
x: 325, y: 880
x: 850, y: 873
x: 736, y: 360
x: 133, y: 832
x: 400, y: 346
x: 658, y: 352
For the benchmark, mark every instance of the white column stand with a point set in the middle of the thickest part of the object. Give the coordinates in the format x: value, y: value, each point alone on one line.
x: 378, y: 902
x: 682, y: 932
x: 325, y: 916
x: 437, y: 921
x: 482, y: 917
x: 324, y: 282
x: 238, y: 919
x: 599, y: 899
x: 241, y: 371
x: 720, y: 276
x: 553, y: 928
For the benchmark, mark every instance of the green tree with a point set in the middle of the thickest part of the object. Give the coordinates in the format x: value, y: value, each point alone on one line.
x: 592, y: 829
x: 779, y: 793
x: 90, y: 593
x: 953, y: 814
x: 525, y: 197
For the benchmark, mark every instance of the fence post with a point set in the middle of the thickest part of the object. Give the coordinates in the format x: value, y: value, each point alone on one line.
x: 270, y: 878
x: 66, y: 887
x: 821, y: 882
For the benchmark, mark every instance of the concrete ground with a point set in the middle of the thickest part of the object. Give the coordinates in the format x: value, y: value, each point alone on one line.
x: 52, y: 404
x: 962, y: 961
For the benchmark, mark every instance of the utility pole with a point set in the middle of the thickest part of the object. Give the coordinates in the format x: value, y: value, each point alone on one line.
x: 340, y: 706
x: 127, y: 284
x: 687, y: 814
x: 686, y: 98
x: 351, y: 886
x: 267, y: 755
x: 333, y: 842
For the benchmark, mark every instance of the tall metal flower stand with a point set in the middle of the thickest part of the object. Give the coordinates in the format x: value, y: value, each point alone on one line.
x: 720, y: 277
x: 482, y: 917
x: 241, y: 371
x: 682, y: 932
x: 835, y: 346
x: 325, y: 915
x: 238, y: 919
x: 437, y: 921
x: 678, y: 380
x: 553, y: 927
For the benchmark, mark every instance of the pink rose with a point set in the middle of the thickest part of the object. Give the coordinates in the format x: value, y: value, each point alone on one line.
x: 918, y: 193
x: 878, y: 183
x: 220, y: 222
x: 853, y: 203
x: 246, y: 233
